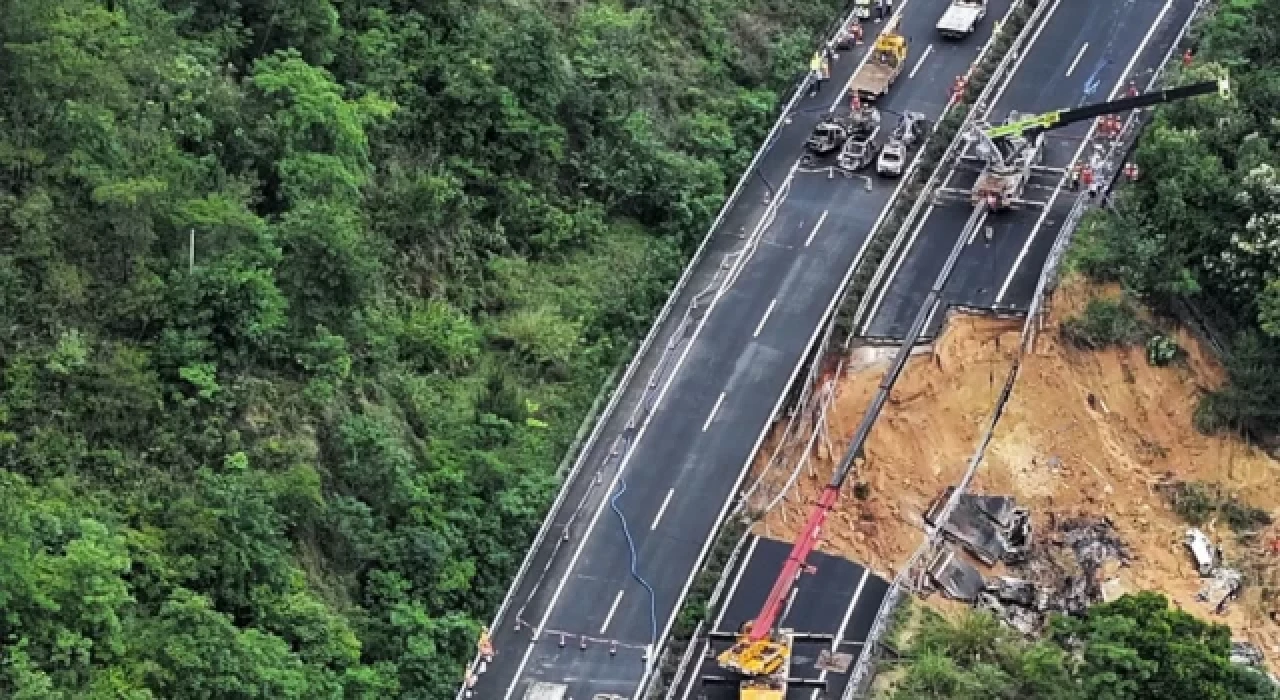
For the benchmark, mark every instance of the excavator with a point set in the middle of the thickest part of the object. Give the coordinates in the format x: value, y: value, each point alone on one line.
x: 1011, y: 152
x: 759, y: 659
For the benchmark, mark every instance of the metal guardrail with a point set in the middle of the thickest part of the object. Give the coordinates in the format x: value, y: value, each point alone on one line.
x: 952, y: 151
x: 637, y: 359
x: 862, y: 674
x: 825, y: 398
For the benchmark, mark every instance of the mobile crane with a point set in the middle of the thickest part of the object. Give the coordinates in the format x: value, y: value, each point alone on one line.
x: 1011, y: 151
x: 760, y: 656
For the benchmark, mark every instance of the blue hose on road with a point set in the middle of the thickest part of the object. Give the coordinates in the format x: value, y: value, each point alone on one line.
x: 631, y: 545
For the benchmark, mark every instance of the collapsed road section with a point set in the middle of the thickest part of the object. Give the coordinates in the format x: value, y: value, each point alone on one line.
x: 1146, y: 46
x: 1086, y: 53
x: 600, y: 588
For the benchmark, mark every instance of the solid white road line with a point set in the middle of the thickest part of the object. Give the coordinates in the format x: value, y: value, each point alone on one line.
x: 1017, y: 63
x: 897, y: 265
x: 927, y: 50
x: 626, y: 459
x: 816, y: 226
x: 692, y: 680
x: 1072, y: 68
x: 662, y: 509
x: 844, y: 624
x: 764, y: 430
x: 612, y: 609
x: 711, y: 416
x: 1120, y: 81
x: 790, y: 599
x: 764, y: 318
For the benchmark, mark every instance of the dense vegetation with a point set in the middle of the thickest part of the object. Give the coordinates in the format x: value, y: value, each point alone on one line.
x: 304, y: 462
x: 1203, y: 221
x: 1136, y: 648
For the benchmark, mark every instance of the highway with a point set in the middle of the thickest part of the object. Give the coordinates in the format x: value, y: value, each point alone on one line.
x: 1086, y: 53
x: 840, y: 598
x: 774, y: 271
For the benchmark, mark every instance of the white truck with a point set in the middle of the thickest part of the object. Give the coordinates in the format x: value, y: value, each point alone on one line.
x: 961, y: 18
x: 540, y: 690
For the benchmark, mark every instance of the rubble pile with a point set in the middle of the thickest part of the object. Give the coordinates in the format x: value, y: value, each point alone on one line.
x: 1065, y: 572
x: 1075, y: 562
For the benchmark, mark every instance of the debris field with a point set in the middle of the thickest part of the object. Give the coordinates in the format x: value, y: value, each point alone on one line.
x: 1088, y: 444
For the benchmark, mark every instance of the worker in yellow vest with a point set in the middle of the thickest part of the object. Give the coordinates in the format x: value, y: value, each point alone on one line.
x: 816, y: 66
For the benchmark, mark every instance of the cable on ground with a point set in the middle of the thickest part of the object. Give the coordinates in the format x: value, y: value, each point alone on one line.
x: 631, y: 545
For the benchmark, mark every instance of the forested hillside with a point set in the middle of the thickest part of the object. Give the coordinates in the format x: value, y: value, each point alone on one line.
x: 1203, y: 221
x: 1134, y: 648
x: 302, y: 302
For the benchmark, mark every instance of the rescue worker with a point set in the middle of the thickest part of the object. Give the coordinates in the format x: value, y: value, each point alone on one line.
x: 815, y: 69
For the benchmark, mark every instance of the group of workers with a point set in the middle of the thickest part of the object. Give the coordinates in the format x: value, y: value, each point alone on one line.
x: 847, y: 38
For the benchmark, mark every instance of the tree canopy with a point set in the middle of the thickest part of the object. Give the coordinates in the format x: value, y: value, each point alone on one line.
x: 1135, y: 648
x: 1203, y: 220
x: 302, y: 302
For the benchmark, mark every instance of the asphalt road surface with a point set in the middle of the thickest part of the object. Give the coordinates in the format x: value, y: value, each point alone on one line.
x: 712, y: 404
x: 839, y: 599
x: 1087, y: 53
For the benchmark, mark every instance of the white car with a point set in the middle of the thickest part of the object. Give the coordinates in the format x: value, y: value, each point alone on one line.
x: 892, y: 159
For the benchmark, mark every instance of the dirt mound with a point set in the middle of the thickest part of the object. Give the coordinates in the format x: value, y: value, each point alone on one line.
x: 1085, y: 432
x: 922, y: 439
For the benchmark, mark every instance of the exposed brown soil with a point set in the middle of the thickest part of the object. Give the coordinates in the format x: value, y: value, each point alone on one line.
x: 1052, y: 450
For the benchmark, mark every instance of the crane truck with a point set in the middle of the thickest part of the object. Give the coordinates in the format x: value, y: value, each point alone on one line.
x: 1011, y: 152
x: 759, y: 659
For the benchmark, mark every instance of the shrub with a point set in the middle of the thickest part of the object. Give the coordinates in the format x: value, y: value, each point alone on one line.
x: 1105, y: 323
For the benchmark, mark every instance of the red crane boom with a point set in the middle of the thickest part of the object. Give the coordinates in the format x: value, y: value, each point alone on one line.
x: 795, y: 564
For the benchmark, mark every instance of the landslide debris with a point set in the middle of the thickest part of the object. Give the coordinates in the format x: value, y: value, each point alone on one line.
x: 1086, y: 434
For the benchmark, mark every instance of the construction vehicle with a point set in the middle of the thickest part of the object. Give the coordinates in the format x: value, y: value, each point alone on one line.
x: 893, y: 157
x: 961, y: 18
x: 887, y: 59
x: 836, y: 128
x: 1011, y: 152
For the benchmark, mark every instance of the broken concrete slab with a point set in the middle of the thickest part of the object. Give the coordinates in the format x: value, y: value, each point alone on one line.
x: 1015, y: 591
x: 956, y: 577
x: 991, y: 528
